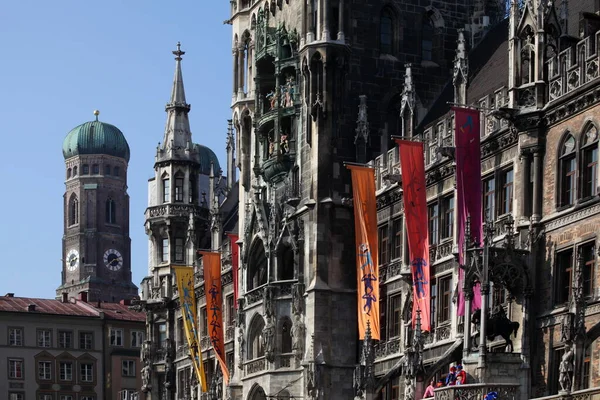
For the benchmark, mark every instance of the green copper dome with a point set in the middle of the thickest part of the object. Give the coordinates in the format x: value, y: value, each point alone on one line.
x: 206, y: 156
x: 96, y: 137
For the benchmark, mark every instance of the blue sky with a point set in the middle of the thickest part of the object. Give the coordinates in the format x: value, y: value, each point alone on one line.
x: 60, y: 61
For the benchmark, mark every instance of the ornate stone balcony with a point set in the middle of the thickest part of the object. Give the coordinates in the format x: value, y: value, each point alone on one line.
x: 387, y: 348
x: 275, y: 168
x: 174, y: 210
x: 477, y: 391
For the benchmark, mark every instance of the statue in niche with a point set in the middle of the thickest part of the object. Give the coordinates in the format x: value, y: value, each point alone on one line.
x: 146, y: 378
x: 194, y: 385
x: 298, y: 330
x: 242, y: 343
x: 269, y: 338
x: 288, y: 91
x: 565, y: 368
x: 284, y: 146
x: 268, y: 302
x: 272, y: 97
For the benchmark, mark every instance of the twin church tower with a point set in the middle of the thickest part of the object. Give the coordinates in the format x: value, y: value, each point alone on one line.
x: 96, y: 247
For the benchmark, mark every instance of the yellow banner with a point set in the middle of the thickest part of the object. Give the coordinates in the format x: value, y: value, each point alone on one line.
x: 185, y: 283
x: 367, y: 260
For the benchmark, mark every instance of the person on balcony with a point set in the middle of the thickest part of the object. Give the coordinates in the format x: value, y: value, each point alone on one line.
x: 461, y: 375
x: 451, y: 377
x: 429, y: 390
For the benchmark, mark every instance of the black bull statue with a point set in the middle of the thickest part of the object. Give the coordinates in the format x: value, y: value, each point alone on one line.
x: 498, y: 325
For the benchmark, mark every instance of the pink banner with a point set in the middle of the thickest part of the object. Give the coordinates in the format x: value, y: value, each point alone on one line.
x: 468, y: 192
x: 412, y: 165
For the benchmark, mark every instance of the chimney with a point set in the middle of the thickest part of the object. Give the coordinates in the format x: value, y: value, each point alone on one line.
x: 83, y: 296
x: 9, y: 295
x: 65, y: 297
x: 31, y: 307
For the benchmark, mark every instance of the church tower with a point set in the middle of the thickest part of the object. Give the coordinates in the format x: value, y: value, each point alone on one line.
x: 96, y: 245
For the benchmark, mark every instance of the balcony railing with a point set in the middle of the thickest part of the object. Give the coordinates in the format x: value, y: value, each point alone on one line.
x: 586, y: 394
x: 477, y: 391
x: 255, y: 366
x: 388, y: 348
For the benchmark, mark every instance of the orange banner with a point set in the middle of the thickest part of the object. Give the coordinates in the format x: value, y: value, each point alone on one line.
x: 187, y: 296
x: 367, y: 256
x: 412, y: 165
x: 214, y: 307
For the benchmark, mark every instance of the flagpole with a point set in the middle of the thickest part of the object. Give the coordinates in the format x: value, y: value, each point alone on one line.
x: 469, y: 106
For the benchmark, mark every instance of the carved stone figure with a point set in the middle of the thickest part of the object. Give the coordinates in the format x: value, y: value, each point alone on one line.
x: 409, y: 389
x: 297, y: 299
x: 241, y: 342
x: 268, y: 302
x: 146, y: 379
x: 269, y: 338
x: 146, y: 352
x: 298, y: 331
x: 566, y: 368
x: 194, y: 385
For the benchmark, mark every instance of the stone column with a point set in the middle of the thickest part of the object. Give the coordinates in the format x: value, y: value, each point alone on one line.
x: 467, y: 323
x: 304, y: 23
x: 537, y: 186
x: 241, y: 71
x: 234, y: 53
x: 325, y: 19
x: 528, y: 197
x: 310, y: 35
x: 340, y: 33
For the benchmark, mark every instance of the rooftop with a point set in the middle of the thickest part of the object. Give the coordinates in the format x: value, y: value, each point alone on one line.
x: 74, y: 308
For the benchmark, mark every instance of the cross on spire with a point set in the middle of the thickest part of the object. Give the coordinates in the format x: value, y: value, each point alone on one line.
x: 178, y: 53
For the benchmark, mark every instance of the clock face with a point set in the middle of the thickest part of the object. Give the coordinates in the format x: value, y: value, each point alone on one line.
x: 72, y: 260
x: 113, y: 259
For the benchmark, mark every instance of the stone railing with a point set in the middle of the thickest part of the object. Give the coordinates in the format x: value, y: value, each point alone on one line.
x: 173, y: 210
x: 394, y: 268
x: 254, y: 296
x: 587, y: 394
x: 443, y: 332
x: 205, y: 343
x: 183, y: 351
x: 440, y: 250
x: 477, y: 391
x: 285, y: 361
x: 255, y: 366
x: 388, y: 348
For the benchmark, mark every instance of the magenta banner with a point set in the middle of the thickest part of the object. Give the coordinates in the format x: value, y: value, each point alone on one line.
x: 468, y: 192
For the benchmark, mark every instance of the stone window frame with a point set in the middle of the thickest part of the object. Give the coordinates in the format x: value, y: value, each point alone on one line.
x: 128, y: 368
x: 115, y: 342
x: 43, y: 343
x: 21, y: 339
x: 165, y: 185
x: 285, y: 337
x: 393, y: 322
x: 255, y: 338
x: 498, y: 175
x: 139, y: 336
x: 73, y: 206
x: 388, y: 12
x: 383, y: 234
x: 565, y: 156
x: 42, y: 377
x: 397, y: 238
x: 82, y: 335
x: 444, y: 221
x: 441, y: 295
x: 586, y: 147
x: 17, y: 361
x: 68, y: 334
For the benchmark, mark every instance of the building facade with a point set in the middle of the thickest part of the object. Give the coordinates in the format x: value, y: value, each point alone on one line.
x: 96, y: 243
x: 69, y: 350
x: 187, y: 212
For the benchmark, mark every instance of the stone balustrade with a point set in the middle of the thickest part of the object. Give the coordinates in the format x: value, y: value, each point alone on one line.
x: 476, y: 391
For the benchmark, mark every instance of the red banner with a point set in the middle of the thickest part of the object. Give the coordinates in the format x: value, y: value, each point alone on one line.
x: 214, y: 307
x: 235, y: 251
x: 468, y: 192
x: 367, y: 256
x: 412, y: 165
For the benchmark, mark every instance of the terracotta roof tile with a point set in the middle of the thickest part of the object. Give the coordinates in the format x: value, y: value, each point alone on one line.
x: 43, y: 306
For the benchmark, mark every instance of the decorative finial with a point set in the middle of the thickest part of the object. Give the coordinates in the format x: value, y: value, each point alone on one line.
x: 178, y: 53
x: 96, y: 113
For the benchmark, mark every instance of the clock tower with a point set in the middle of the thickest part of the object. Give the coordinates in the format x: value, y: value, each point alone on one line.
x: 96, y: 245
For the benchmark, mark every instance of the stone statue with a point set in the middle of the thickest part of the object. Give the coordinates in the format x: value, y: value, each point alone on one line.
x: 269, y: 338
x: 272, y: 97
x: 409, y: 389
x: 284, y: 146
x: 268, y: 302
x: 297, y: 299
x: 241, y: 342
x: 146, y: 379
x: 566, y: 368
x: 146, y: 352
x: 194, y: 384
x: 219, y: 387
x: 298, y: 331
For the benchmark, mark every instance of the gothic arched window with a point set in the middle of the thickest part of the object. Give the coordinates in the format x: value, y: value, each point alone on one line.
x: 257, y: 267
x: 285, y: 263
x: 255, y: 339
x: 285, y: 326
x: 68, y: 173
x: 257, y: 393
x: 568, y: 171
x: 192, y: 190
x: 75, y: 171
x: 427, y: 33
x: 589, y: 162
x: 73, y: 210
x: 386, y: 32
x: 111, y: 211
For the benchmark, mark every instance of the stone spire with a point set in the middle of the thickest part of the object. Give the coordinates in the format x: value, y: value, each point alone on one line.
x: 407, y: 104
x: 177, y: 131
x: 362, y: 131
